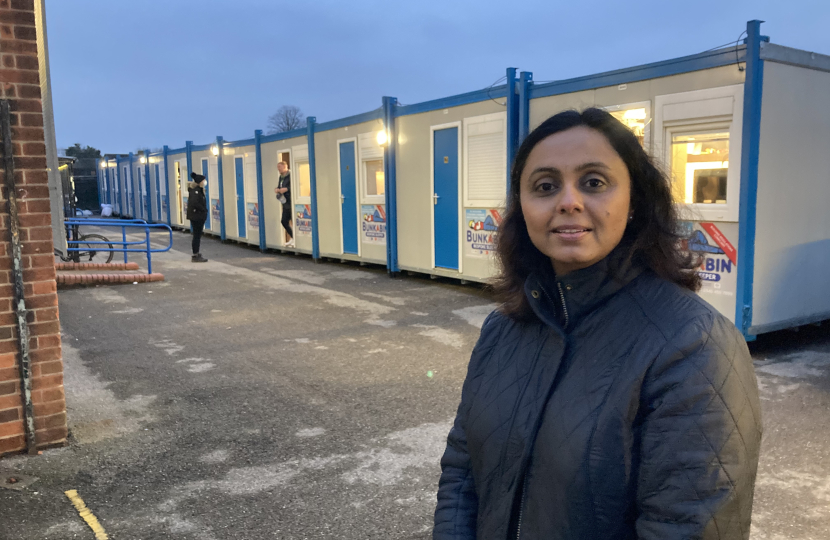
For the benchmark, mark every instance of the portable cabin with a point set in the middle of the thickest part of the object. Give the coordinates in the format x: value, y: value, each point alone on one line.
x: 291, y: 148
x: 741, y: 131
x: 351, y: 189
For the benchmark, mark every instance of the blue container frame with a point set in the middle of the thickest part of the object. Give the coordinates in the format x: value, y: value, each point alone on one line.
x: 260, y: 197
x: 512, y: 122
x: 390, y: 105
x: 518, y: 91
x: 131, y: 193
x: 311, y: 123
x: 148, y: 193
x: 165, y: 153
x: 750, y: 152
x: 220, y: 177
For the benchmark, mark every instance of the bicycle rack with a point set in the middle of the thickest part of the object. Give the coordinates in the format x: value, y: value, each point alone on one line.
x: 124, y: 224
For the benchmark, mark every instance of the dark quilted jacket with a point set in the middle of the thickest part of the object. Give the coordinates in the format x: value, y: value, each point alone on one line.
x: 631, y: 413
x: 196, y: 202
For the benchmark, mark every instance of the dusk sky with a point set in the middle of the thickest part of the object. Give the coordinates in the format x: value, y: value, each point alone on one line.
x: 130, y: 75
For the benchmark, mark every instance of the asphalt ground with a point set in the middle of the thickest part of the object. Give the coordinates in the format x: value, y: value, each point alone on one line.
x: 267, y: 396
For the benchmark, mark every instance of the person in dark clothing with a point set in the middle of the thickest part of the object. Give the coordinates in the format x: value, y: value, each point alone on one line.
x: 197, y: 212
x: 604, y: 399
x: 283, y: 191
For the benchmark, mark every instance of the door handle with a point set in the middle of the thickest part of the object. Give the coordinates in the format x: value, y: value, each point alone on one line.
x: 342, y: 199
x: 435, y: 198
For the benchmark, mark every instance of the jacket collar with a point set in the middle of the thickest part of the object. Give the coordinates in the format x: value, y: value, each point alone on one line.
x: 563, y: 302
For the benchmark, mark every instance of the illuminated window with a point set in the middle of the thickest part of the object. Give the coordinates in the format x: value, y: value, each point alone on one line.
x: 373, y: 177
x: 635, y: 120
x: 304, y: 178
x: 699, y: 166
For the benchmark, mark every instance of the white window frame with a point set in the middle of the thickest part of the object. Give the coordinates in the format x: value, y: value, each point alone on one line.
x: 461, y: 189
x: 704, y: 110
x: 180, y: 168
x: 482, y: 203
x: 368, y: 149
x: 213, y: 178
x: 649, y: 119
x: 299, y: 154
x: 296, y: 154
x: 359, y: 223
x: 249, y: 174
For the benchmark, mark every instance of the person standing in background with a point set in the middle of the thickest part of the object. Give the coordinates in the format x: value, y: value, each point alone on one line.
x: 197, y: 212
x: 283, y: 191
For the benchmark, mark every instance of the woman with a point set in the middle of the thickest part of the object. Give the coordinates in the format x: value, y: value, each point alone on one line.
x: 283, y: 191
x: 604, y: 399
x: 197, y: 212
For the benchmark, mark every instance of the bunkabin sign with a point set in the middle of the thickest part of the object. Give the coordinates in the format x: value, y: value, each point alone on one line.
x: 481, y: 231
x: 252, y: 215
x: 373, y: 224
x: 715, y: 244
x: 302, y: 218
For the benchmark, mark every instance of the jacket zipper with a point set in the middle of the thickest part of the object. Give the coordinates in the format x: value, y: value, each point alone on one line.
x: 521, y: 510
x: 564, y: 306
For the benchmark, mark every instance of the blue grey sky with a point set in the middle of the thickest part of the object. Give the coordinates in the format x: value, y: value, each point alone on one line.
x: 129, y: 75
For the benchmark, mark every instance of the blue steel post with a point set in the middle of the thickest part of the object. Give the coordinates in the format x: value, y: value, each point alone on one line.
x: 189, y: 153
x: 166, y: 185
x: 311, y: 123
x: 259, y: 195
x: 389, y: 168
x: 525, y: 80
x: 124, y: 242
x: 132, y: 187
x: 221, y: 195
x: 149, y: 257
x: 512, y: 103
x: 147, y: 193
x: 750, y: 148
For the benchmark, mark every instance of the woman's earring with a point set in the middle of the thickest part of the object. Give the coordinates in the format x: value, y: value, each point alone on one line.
x: 630, y: 217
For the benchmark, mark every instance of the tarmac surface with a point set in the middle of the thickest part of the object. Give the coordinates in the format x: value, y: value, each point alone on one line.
x: 266, y: 396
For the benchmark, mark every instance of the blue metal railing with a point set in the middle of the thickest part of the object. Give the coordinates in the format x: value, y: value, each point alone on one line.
x: 124, y: 224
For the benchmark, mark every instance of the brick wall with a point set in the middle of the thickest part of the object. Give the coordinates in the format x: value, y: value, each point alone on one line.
x: 20, y: 84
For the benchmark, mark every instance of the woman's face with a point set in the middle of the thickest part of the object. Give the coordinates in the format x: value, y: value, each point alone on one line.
x: 575, y: 194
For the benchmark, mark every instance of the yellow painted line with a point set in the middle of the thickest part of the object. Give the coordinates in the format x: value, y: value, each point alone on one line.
x: 86, y: 514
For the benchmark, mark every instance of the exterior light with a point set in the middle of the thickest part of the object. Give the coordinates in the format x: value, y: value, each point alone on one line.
x: 143, y: 159
x: 214, y: 150
x: 382, y: 138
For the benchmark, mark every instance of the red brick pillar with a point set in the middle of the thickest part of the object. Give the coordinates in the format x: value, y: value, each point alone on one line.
x: 20, y: 85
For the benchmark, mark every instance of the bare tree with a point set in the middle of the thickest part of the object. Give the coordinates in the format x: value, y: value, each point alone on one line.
x: 287, y: 118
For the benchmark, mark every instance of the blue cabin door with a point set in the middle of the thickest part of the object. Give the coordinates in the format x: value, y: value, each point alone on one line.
x: 141, y: 199
x: 348, y: 197
x: 130, y: 197
x: 108, y: 197
x: 445, y: 197
x: 240, y: 195
x: 207, y: 191
x: 117, y: 182
x: 158, y: 194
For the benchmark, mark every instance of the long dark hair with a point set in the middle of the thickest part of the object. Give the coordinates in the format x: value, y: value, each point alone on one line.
x: 651, y: 238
